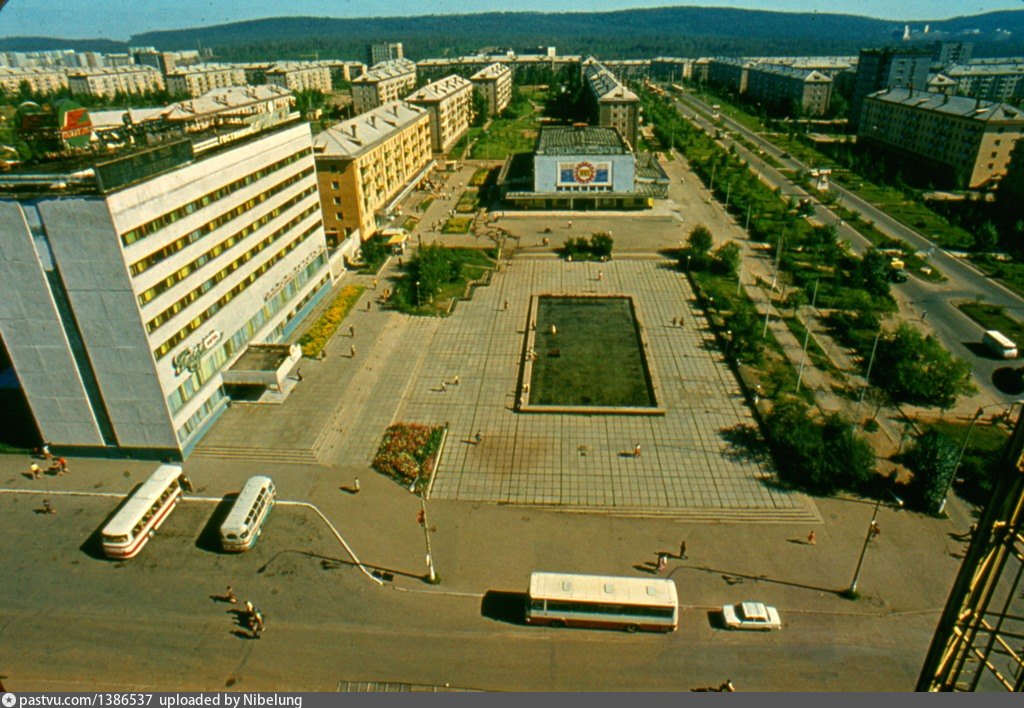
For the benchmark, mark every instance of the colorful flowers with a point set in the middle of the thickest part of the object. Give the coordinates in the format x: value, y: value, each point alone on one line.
x: 408, y: 453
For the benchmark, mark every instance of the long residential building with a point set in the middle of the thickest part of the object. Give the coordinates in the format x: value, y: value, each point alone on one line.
x: 614, y: 105
x: 494, y: 83
x: 962, y: 141
x: 364, y: 164
x: 992, y: 82
x: 133, y: 287
x: 808, y: 90
x: 300, y: 76
x: 39, y: 80
x: 197, y: 79
x: 450, y: 105
x: 108, y: 82
x: 382, y: 84
x: 888, y: 68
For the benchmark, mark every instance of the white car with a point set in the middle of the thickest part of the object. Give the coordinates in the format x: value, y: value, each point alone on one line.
x: 751, y: 615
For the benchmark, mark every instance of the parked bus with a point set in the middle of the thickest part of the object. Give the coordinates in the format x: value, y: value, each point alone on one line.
x: 565, y: 600
x: 244, y: 522
x: 999, y: 344
x: 142, y: 513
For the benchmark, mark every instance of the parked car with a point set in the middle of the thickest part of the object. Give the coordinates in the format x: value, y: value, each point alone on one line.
x: 898, y: 275
x: 751, y: 615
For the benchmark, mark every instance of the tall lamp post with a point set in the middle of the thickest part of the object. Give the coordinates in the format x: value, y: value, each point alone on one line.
x: 432, y: 576
x: 963, y: 447
x: 871, y: 533
x: 417, y: 293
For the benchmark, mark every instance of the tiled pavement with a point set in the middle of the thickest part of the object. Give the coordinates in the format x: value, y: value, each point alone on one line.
x: 570, y: 461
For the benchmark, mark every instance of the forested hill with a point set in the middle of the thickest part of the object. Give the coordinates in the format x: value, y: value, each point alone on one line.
x: 674, y: 31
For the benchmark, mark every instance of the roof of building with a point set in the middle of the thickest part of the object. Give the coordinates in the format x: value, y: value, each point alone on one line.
x: 493, y: 71
x: 388, y: 70
x: 940, y: 80
x: 984, y: 69
x: 355, y: 136
x: 961, y: 106
x: 580, y: 140
x: 202, y: 69
x: 30, y: 71
x: 221, y: 100
x: 810, y: 76
x: 439, y: 90
x: 113, y: 70
x: 605, y: 85
x: 283, y: 67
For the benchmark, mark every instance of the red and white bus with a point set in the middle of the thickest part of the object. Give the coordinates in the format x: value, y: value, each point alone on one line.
x: 564, y: 600
x: 142, y: 513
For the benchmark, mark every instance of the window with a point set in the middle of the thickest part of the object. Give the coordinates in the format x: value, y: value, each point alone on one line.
x: 335, y: 185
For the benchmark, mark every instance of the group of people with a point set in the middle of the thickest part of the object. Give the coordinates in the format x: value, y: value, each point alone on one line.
x: 250, y: 616
x: 58, y: 465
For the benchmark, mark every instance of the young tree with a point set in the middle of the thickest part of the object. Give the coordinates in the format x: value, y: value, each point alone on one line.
x: 933, y: 460
x: 727, y: 259
x: 986, y: 238
x: 873, y: 273
x: 919, y: 370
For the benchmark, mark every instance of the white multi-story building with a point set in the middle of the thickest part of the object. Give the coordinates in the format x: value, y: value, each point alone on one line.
x: 129, y: 286
x: 198, y: 79
x: 450, y: 104
x: 107, y: 82
x: 300, y: 76
x: 382, y: 84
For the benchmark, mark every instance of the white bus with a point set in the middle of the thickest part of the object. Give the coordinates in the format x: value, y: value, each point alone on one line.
x: 565, y: 600
x: 999, y: 344
x: 142, y: 513
x: 244, y: 522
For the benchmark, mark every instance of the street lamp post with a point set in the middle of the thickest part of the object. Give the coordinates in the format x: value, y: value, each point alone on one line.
x: 871, y: 533
x: 963, y: 448
x: 417, y: 293
x: 687, y: 264
x: 431, y: 574
x: 867, y: 376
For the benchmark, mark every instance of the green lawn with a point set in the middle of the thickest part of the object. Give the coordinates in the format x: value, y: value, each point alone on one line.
x: 993, y: 317
x: 457, y: 225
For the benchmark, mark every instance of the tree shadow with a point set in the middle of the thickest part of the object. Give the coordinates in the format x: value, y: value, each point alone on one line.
x: 506, y: 607
x: 1009, y: 380
x: 745, y: 443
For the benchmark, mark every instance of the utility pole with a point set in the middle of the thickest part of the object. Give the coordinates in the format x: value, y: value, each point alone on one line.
x: 807, y: 338
x: 431, y: 574
x: 867, y: 376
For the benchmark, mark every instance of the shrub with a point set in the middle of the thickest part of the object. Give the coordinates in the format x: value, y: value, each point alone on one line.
x: 933, y: 459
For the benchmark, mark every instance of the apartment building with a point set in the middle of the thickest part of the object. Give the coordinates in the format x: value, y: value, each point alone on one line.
x: 342, y: 70
x: 1010, y: 195
x: 365, y: 164
x: 107, y: 82
x: 197, y: 79
x: 382, y: 84
x: 300, y: 76
x: 960, y: 141
x: 730, y: 73
x: 888, y: 68
x: 494, y: 83
x: 38, y: 79
x: 613, y: 104
x: 450, y: 105
x: 789, y: 88
x: 992, y: 82
x: 128, y: 297
x: 384, y: 51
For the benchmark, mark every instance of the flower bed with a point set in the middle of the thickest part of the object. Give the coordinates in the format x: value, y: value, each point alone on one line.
x: 408, y: 453
x: 457, y: 225
x: 317, y: 336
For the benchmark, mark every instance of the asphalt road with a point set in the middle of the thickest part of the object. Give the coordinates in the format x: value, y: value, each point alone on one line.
x: 933, y: 302
x: 72, y: 620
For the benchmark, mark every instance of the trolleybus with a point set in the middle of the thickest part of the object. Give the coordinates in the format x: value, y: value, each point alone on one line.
x: 142, y: 513
x: 565, y: 600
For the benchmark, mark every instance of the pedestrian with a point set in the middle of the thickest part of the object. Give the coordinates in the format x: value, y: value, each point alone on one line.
x: 352, y: 352
x: 298, y: 374
x: 505, y: 307
x: 367, y: 305
x: 662, y: 561
x: 682, y: 549
x: 48, y: 508
x: 444, y: 386
x: 374, y: 283
x: 600, y: 275
x: 456, y: 380
x: 351, y: 330
x: 570, y: 224
x: 874, y: 530
x: 673, y: 321
x: 636, y: 451
x: 230, y: 596
x: 47, y: 455
x: 811, y: 538
x: 248, y: 608
x: 680, y: 321
x: 62, y: 466
x: 478, y: 437
x: 34, y: 470
x: 355, y: 486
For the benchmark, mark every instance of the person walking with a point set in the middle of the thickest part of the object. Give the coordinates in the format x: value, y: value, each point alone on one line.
x: 811, y: 538
x: 48, y: 508
x: 455, y: 381
x: 368, y: 303
x: 374, y: 283
x: 230, y: 596
x: 662, y: 562
x: 673, y: 321
x: 355, y: 486
x: 352, y: 352
x: 505, y: 307
x: 682, y: 549
x: 351, y: 330
x: 34, y: 470
x: 62, y: 466
x: 444, y: 386
x: 478, y: 437
x: 636, y: 451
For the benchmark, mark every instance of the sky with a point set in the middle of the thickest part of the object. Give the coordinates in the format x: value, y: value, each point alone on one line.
x: 119, y: 19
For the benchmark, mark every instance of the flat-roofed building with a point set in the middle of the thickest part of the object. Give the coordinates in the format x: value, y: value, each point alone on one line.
x: 382, y: 84
x: 300, y: 76
x: 384, y: 51
x: 583, y: 167
x: 108, y: 82
x: 364, y: 165
x: 807, y: 90
x: 614, y: 105
x: 40, y: 80
x: 730, y: 73
x: 959, y: 141
x: 888, y: 68
x: 450, y: 105
x: 494, y: 83
x: 126, y: 293
x: 342, y: 71
x: 197, y: 79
